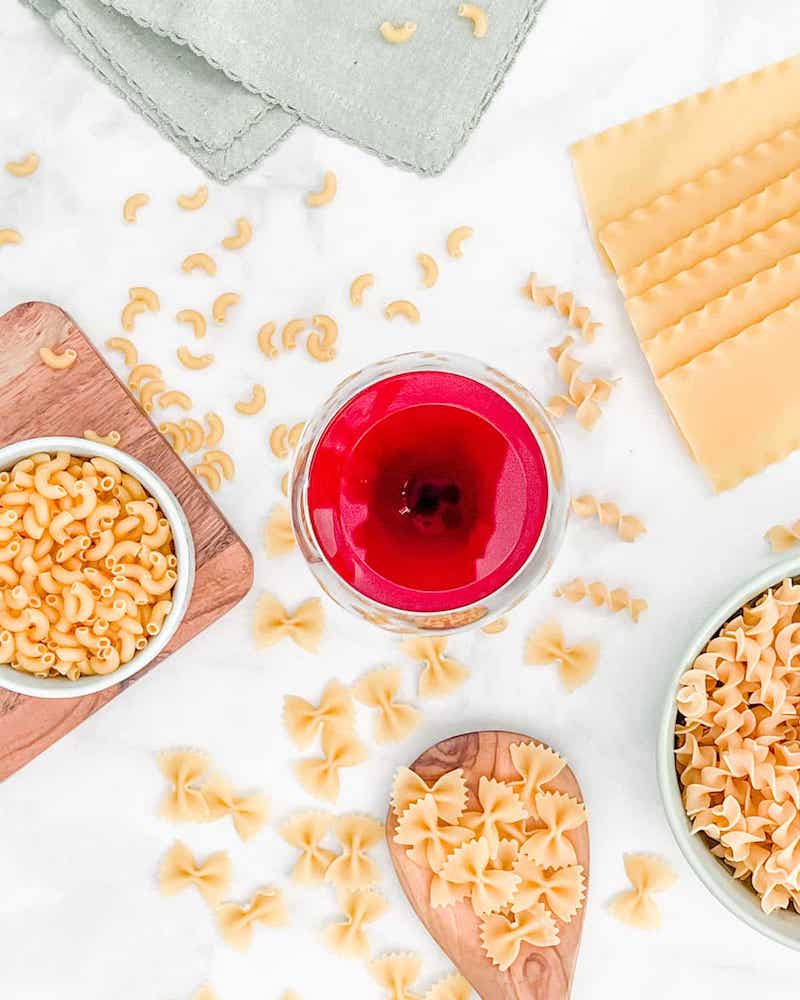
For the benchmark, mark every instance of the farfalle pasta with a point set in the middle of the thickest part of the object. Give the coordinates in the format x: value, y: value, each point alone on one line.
x: 396, y: 974
x: 273, y: 623
x: 185, y: 771
x: 561, y: 889
x: 348, y: 937
x: 469, y: 868
x: 378, y: 689
x: 502, y: 935
x: 550, y: 846
x: 449, y: 793
x: 306, y: 832
x: 279, y: 537
x: 576, y: 664
x: 354, y: 868
x: 427, y: 841
x: 440, y: 674
x: 320, y: 775
x: 249, y: 812
x: 737, y: 745
x: 179, y: 871
x: 648, y: 875
x: 304, y: 721
x: 501, y: 807
x: 236, y: 923
x: 452, y: 987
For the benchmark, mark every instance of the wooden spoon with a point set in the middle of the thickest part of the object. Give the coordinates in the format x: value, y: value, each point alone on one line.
x: 537, y: 973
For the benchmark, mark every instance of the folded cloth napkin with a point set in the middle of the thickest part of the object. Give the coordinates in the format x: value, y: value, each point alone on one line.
x: 225, y: 80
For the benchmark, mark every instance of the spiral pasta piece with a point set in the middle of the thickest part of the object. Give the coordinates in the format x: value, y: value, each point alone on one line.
x: 585, y: 396
x: 599, y: 594
x: 783, y: 536
x: 627, y: 526
x: 565, y: 304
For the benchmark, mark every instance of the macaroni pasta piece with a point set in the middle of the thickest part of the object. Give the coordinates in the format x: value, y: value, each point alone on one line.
x: 397, y: 34
x: 140, y: 373
x: 304, y: 722
x: 326, y: 194
x: 348, y: 937
x: 24, y: 167
x: 627, y: 526
x: 320, y: 775
x: 112, y: 439
x: 430, y: 269
x: 184, y: 770
x: 175, y: 434
x: 440, y: 674
x: 495, y: 627
x: 320, y: 342
x: 193, y: 433
x: 58, y: 362
x: 354, y: 868
x: 449, y: 792
x: 396, y: 973
x: 236, y: 922
x: 249, y: 812
x: 402, y: 307
x: 502, y: 936
x: 265, y: 345
x: 598, y: 593
x: 358, y: 286
x: 305, y: 832
x: 242, y: 236
x: 174, y: 397
x: 576, y: 664
x: 378, y: 689
x: 648, y: 875
x: 195, y: 319
x: 148, y: 393
x: 191, y: 202
x: 256, y: 403
x: 210, y: 475
x: 143, y: 294
x: 216, y: 429
x: 9, y: 236
x: 565, y: 304
x: 199, y: 261
x: 273, y: 623
x: 132, y: 204
x: 127, y: 348
x: 456, y: 238
x: 130, y: 311
x: 279, y: 441
x: 290, y: 333
x: 221, y: 458
x: 222, y: 303
x: 478, y: 16
x: 196, y: 362
x: 179, y: 871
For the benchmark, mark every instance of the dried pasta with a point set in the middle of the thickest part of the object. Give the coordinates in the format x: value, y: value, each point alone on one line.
x: 397, y: 34
x: 185, y: 771
x: 195, y: 319
x: 25, y: 167
x: 304, y: 722
x: 127, y: 348
x: 449, y: 793
x: 396, y: 973
x: 223, y: 460
x: 550, y: 846
x: 248, y: 812
x: 147, y: 295
x: 583, y: 396
x: 537, y: 765
x: 195, y: 362
x: 174, y: 397
x: 256, y: 403
x: 291, y: 332
x: 199, y: 262
x: 576, y: 664
x: 440, y: 674
x: 468, y: 868
x: 456, y: 239
x: 565, y: 304
x: 478, y: 16
x: 179, y: 871
x: 326, y: 194
x: 502, y: 936
x: 306, y: 832
x: 112, y: 439
x: 495, y: 627
x: 320, y: 775
x: 132, y: 309
x: 348, y: 937
x: 9, y: 236
x: 598, y: 593
x: 236, y: 922
x: 222, y: 303
x: 783, y: 537
x: 193, y: 433
x: 358, y: 286
x: 378, y: 689
x: 209, y: 474
x: 354, y: 868
x: 216, y: 429
x: 428, y: 842
x: 562, y: 890
x: 132, y: 204
x: 265, y: 345
x: 430, y: 269
x: 148, y: 393
x: 500, y: 807
x: 279, y: 441
x: 452, y: 987
x: 320, y: 342
x: 175, y: 434
x: 279, y: 537
x: 402, y: 307
x: 58, y: 362
x: 191, y: 202
x: 242, y: 236
x: 140, y: 374
x: 273, y: 623
x: 648, y: 875
x: 627, y: 526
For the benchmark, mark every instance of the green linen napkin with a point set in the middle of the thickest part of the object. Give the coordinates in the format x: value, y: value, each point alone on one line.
x: 226, y: 79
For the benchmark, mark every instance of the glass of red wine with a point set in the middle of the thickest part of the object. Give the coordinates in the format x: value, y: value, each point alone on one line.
x: 428, y: 493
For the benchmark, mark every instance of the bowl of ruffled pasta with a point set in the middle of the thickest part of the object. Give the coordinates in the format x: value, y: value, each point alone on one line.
x: 96, y: 566
x: 729, y: 753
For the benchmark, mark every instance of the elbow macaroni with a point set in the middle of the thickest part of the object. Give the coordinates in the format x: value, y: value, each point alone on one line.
x: 58, y: 362
x: 8, y: 236
x: 191, y: 202
x: 430, y: 269
x: 456, y: 238
x: 291, y: 332
x: 478, y: 16
x: 127, y: 348
x: 201, y: 261
x: 133, y: 204
x: 402, y: 307
x: 358, y: 286
x: 196, y: 320
x: 216, y: 429
x: 242, y: 236
x: 255, y: 404
x: 24, y: 167
x: 265, y: 345
x: 222, y: 303
x: 326, y: 193
x: 397, y: 34
x: 194, y: 361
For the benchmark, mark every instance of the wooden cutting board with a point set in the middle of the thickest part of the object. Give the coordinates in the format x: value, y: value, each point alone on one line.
x: 537, y: 973
x: 36, y: 401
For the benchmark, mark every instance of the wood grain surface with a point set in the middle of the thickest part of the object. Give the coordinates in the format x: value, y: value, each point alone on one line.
x: 538, y: 973
x: 36, y: 401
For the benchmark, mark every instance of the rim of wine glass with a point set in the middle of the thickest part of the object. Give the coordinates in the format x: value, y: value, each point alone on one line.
x: 556, y: 513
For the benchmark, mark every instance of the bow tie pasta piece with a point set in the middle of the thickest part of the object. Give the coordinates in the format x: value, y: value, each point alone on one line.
x: 396, y: 973
x: 305, y: 832
x: 273, y: 623
x: 576, y: 664
x: 184, y: 802
x: 452, y: 987
x: 354, y: 869
x: 500, y: 804
x: 490, y: 888
x: 507, y: 854
x: 236, y: 922
x: 179, y: 871
x: 320, y: 775
x: 560, y: 889
x: 428, y: 843
x: 648, y: 874
x: 348, y: 937
x: 249, y: 812
x: 440, y: 674
x: 551, y: 847
x: 502, y: 937
x: 304, y: 722
x: 378, y: 689
x: 278, y: 533
x: 449, y: 792
x: 536, y: 765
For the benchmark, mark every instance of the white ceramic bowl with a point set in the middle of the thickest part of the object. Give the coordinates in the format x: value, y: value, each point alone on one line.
x: 59, y: 687
x: 780, y: 925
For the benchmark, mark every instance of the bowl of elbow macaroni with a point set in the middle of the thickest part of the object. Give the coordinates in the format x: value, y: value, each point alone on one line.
x: 96, y: 566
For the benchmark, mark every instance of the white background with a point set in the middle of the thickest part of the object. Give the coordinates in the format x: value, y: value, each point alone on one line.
x: 80, y: 841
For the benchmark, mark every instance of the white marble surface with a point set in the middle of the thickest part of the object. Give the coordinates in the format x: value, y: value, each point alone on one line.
x: 80, y: 917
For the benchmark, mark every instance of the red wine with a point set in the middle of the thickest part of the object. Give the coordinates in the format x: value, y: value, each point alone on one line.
x: 427, y: 491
